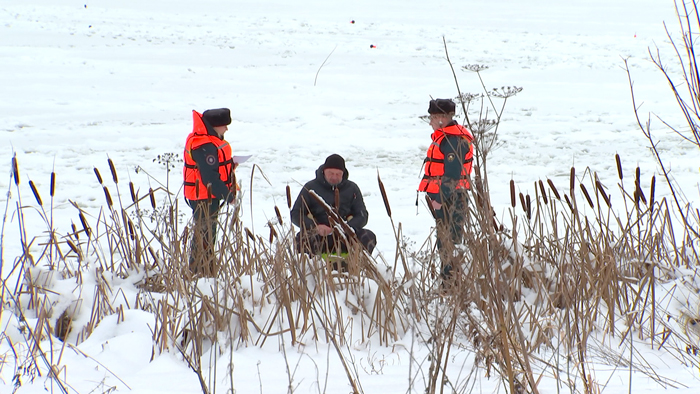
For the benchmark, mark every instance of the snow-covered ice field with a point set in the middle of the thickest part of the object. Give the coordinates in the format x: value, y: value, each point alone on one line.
x: 81, y: 81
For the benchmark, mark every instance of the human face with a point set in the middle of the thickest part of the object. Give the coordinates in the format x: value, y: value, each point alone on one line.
x: 333, y: 175
x: 220, y: 130
x: 437, y: 121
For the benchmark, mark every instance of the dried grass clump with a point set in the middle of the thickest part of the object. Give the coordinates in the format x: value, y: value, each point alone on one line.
x: 569, y: 265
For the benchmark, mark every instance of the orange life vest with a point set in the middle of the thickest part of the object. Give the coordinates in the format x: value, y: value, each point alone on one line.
x: 434, y: 162
x: 194, y: 189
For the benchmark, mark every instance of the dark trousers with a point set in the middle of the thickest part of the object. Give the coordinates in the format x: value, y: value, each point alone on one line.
x: 202, y: 260
x: 449, y: 221
x: 311, y: 243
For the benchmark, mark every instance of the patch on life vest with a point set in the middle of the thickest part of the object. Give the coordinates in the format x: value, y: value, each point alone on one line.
x: 211, y: 160
x: 451, y: 157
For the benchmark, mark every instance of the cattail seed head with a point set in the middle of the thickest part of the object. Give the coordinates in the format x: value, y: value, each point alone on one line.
x: 130, y: 228
x: 107, y: 196
x: 543, y: 191
x: 512, y: 193
x: 152, y: 196
x: 599, y: 187
x: 289, y: 198
x: 279, y: 216
x: 15, y: 169
x: 528, y: 204
x: 640, y: 193
x: 572, y: 180
x: 619, y: 166
x: 568, y: 202
x: 132, y: 192
x: 523, y: 203
x: 273, y: 234
x: 249, y: 234
x: 585, y: 193
x: 36, y: 193
x: 384, y: 197
x: 114, y: 172
x: 53, y: 184
x: 86, y: 228
x: 73, y: 247
x: 97, y: 174
x: 554, y: 189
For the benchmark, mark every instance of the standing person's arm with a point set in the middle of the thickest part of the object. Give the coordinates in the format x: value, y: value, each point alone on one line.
x: 207, y: 159
x: 454, y: 149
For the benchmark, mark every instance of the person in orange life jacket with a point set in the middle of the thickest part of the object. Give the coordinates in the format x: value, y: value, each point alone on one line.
x: 448, y: 164
x: 208, y: 180
x: 316, y: 235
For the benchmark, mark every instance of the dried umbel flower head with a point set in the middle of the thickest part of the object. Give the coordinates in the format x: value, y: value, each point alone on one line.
x: 505, y: 91
x: 467, y: 98
x: 475, y: 67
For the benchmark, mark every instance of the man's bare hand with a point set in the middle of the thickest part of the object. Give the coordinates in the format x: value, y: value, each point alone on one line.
x: 436, y: 205
x: 324, y: 230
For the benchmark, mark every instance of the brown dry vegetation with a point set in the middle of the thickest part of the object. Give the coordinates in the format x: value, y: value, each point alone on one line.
x: 530, y: 299
x: 527, y: 295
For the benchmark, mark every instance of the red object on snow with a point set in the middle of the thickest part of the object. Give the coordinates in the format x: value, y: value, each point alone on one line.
x: 372, y: 46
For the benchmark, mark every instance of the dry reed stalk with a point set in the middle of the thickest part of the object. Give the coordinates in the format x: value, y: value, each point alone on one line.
x: 651, y: 193
x: 582, y: 258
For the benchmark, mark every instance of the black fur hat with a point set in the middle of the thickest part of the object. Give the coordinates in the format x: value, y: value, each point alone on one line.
x: 334, y: 161
x: 217, y: 117
x: 441, y: 106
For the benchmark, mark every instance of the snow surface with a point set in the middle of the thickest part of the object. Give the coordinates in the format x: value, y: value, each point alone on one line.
x: 84, y: 81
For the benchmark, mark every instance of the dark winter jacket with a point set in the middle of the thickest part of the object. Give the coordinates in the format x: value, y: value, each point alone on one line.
x: 307, y: 212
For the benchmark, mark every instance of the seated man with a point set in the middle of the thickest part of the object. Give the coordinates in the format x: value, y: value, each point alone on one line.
x: 311, y: 216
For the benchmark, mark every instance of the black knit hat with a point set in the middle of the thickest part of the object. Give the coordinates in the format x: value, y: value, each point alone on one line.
x: 441, y: 106
x: 334, y: 161
x: 217, y: 117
